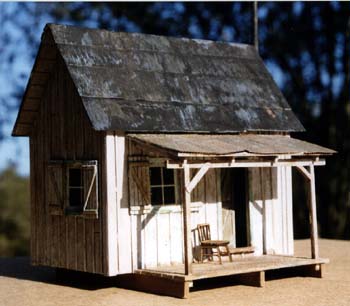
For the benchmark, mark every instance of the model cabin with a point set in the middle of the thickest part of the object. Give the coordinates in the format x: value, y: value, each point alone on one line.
x: 164, y: 159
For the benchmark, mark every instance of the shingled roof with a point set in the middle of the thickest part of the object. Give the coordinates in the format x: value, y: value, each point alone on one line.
x: 147, y: 83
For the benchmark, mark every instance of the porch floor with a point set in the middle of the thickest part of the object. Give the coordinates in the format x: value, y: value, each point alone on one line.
x: 241, y: 265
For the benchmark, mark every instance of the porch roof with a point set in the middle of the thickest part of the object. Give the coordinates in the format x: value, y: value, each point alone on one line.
x: 193, y: 145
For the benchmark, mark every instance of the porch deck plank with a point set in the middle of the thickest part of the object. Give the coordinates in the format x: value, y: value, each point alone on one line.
x: 238, y: 266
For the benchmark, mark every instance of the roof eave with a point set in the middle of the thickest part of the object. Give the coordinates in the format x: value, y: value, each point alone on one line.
x: 46, y: 54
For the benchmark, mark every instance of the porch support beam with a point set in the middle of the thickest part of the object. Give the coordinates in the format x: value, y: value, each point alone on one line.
x: 187, y: 221
x: 313, y: 215
x: 246, y: 164
x: 201, y: 172
x: 310, y: 177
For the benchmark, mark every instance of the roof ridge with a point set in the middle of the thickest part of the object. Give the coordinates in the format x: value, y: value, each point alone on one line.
x: 198, y: 40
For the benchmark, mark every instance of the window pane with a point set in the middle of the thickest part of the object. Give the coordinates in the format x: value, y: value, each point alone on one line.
x: 75, y: 197
x: 155, y: 176
x: 169, y: 195
x: 168, y: 176
x: 74, y: 177
x: 156, y: 196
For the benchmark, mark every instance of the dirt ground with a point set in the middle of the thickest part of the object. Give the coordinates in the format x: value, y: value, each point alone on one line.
x: 23, y: 285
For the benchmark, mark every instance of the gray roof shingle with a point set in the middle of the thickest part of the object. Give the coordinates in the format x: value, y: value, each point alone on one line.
x: 147, y: 83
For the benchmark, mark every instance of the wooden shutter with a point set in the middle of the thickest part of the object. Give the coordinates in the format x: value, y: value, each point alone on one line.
x: 139, y: 187
x: 55, y: 188
x: 90, y: 183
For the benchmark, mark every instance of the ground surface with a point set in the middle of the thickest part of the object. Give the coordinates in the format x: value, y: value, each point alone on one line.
x: 22, y: 285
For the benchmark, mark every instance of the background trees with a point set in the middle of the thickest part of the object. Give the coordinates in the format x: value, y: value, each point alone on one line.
x: 305, y: 45
x: 14, y: 217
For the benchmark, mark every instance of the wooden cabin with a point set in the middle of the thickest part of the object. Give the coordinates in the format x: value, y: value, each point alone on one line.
x: 136, y: 139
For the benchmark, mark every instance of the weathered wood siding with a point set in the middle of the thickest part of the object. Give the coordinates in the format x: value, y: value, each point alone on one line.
x: 270, y: 210
x: 155, y: 237
x: 206, y: 198
x: 63, y: 132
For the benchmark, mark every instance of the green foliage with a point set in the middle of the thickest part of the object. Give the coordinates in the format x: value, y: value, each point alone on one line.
x: 14, y: 216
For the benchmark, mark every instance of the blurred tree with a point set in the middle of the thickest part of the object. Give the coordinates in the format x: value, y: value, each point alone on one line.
x: 18, y: 30
x: 308, y: 42
x: 14, y: 217
x: 304, y: 44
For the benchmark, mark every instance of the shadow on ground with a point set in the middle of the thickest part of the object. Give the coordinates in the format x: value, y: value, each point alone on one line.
x: 234, y: 280
x: 20, y: 268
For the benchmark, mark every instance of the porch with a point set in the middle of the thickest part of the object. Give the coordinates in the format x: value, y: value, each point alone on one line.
x: 241, y: 265
x: 195, y: 156
x: 249, y: 270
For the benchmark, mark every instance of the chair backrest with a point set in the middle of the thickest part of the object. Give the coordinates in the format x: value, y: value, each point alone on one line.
x: 204, y: 231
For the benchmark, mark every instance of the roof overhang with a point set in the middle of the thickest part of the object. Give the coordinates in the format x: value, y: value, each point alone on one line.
x: 40, y: 74
x: 228, y: 151
x: 238, y: 145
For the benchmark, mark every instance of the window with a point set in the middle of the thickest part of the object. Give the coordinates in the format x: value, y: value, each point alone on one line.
x: 162, y: 184
x: 82, y: 189
x: 75, y: 190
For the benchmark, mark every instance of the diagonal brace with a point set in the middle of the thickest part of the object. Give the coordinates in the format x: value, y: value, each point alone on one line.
x: 304, y: 172
x: 201, y: 172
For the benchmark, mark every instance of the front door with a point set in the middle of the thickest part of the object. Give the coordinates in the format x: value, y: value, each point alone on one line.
x: 234, y: 205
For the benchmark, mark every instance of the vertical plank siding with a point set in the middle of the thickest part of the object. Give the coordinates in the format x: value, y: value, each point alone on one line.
x: 256, y: 210
x: 157, y: 236
x: 227, y: 211
x: 63, y: 132
x: 124, y: 224
x: 120, y: 241
x: 34, y: 227
x: 112, y: 208
x: 270, y: 210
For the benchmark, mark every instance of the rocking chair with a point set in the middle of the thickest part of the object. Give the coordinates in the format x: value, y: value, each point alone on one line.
x: 210, y: 248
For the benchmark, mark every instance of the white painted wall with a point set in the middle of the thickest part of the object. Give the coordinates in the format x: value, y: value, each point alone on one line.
x: 270, y: 210
x: 145, y: 240
x: 119, y: 221
x: 161, y: 237
x: 111, y: 210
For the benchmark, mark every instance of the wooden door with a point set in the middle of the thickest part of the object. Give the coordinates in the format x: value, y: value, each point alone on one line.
x: 228, y: 213
x: 234, y: 206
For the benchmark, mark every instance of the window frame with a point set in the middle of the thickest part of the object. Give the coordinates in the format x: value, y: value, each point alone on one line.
x: 74, y: 209
x: 70, y: 210
x: 162, y: 186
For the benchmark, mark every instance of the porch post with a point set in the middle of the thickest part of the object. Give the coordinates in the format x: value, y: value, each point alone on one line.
x: 187, y: 221
x: 313, y: 214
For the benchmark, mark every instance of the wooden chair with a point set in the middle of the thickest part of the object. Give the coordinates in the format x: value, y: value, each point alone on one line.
x: 209, y: 247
